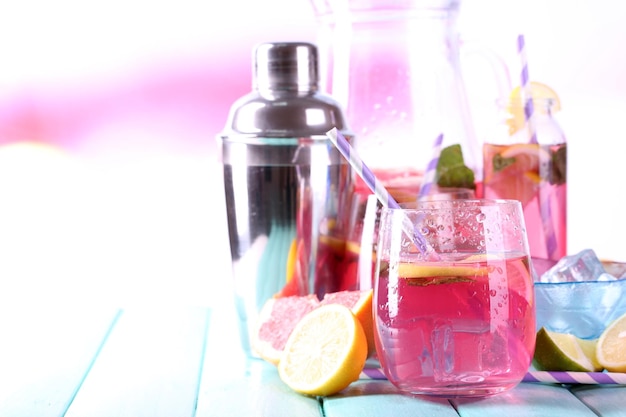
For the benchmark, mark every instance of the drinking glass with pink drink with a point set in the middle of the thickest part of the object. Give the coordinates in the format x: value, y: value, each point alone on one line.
x: 457, y: 320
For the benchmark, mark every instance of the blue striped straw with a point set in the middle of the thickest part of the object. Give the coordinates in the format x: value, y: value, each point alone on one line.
x: 431, y: 169
x: 526, y: 91
x: 375, y: 186
x: 550, y: 377
x: 529, y: 114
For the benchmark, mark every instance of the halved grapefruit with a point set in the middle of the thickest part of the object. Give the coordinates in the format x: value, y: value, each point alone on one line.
x: 277, y: 319
x: 280, y: 315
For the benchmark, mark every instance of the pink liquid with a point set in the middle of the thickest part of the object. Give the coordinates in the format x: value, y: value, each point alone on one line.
x: 538, y: 180
x: 404, y: 186
x: 456, y: 336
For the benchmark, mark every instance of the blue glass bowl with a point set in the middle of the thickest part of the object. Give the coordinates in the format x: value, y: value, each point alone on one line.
x: 581, y: 308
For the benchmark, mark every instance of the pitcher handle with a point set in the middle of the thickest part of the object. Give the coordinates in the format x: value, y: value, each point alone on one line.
x: 500, y: 70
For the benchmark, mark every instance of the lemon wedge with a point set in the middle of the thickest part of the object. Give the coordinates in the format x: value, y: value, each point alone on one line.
x: 325, y: 352
x: 611, y: 348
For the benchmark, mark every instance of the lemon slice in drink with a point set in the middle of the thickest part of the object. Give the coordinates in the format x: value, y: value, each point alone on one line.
x: 563, y: 352
x: 611, y: 349
x: 540, y: 93
x: 424, y: 274
x: 407, y: 270
x: 325, y: 352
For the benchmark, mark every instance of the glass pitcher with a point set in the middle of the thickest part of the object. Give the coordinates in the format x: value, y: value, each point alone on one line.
x: 394, y: 65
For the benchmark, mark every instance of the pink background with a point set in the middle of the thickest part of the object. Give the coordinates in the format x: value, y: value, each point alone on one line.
x: 109, y: 176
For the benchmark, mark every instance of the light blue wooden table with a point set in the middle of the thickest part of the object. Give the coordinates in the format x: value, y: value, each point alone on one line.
x: 90, y: 361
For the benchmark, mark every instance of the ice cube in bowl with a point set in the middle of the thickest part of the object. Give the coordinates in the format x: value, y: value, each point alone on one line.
x: 582, y: 308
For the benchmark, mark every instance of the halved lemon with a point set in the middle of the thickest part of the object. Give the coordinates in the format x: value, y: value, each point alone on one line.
x: 611, y: 348
x: 325, y: 352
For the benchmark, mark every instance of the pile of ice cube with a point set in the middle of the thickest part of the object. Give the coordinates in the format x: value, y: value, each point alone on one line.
x: 581, y: 295
x: 583, y: 266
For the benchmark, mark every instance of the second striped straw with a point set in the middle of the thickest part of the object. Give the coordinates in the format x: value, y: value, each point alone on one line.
x: 376, y: 187
x: 431, y: 169
x: 526, y: 90
x: 529, y: 114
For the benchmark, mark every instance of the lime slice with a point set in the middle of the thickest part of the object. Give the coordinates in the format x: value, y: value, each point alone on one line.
x: 563, y: 352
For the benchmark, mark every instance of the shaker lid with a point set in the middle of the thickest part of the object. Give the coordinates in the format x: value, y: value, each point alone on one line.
x: 286, y: 66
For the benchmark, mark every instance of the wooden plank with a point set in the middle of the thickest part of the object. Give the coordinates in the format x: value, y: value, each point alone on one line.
x: 366, y: 398
x: 45, y: 353
x: 526, y: 400
x: 150, y: 366
x: 605, y: 401
x: 233, y: 384
x: 259, y: 393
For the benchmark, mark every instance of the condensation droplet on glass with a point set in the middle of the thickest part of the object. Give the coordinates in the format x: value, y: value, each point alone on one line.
x: 492, y: 293
x: 480, y: 217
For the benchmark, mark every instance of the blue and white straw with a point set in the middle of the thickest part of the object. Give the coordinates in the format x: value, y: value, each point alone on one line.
x: 431, y: 169
x: 361, y: 169
x: 377, y: 188
x: 529, y: 114
x: 526, y: 90
x: 549, y: 377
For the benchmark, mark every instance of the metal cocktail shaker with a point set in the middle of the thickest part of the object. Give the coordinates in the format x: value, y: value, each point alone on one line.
x: 286, y: 186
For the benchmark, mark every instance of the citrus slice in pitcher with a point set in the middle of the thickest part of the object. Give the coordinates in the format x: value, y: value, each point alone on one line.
x: 515, y: 171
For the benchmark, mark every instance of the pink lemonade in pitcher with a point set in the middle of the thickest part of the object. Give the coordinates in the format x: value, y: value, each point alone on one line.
x: 453, y: 323
x: 404, y: 186
x: 536, y: 176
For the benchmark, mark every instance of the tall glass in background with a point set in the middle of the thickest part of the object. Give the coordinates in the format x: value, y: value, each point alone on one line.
x: 459, y: 320
x: 534, y: 174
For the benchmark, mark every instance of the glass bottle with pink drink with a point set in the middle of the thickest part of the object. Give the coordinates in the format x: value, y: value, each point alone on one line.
x: 533, y: 173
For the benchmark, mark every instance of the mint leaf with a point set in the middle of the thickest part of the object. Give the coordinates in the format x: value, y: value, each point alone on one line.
x: 451, y: 169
